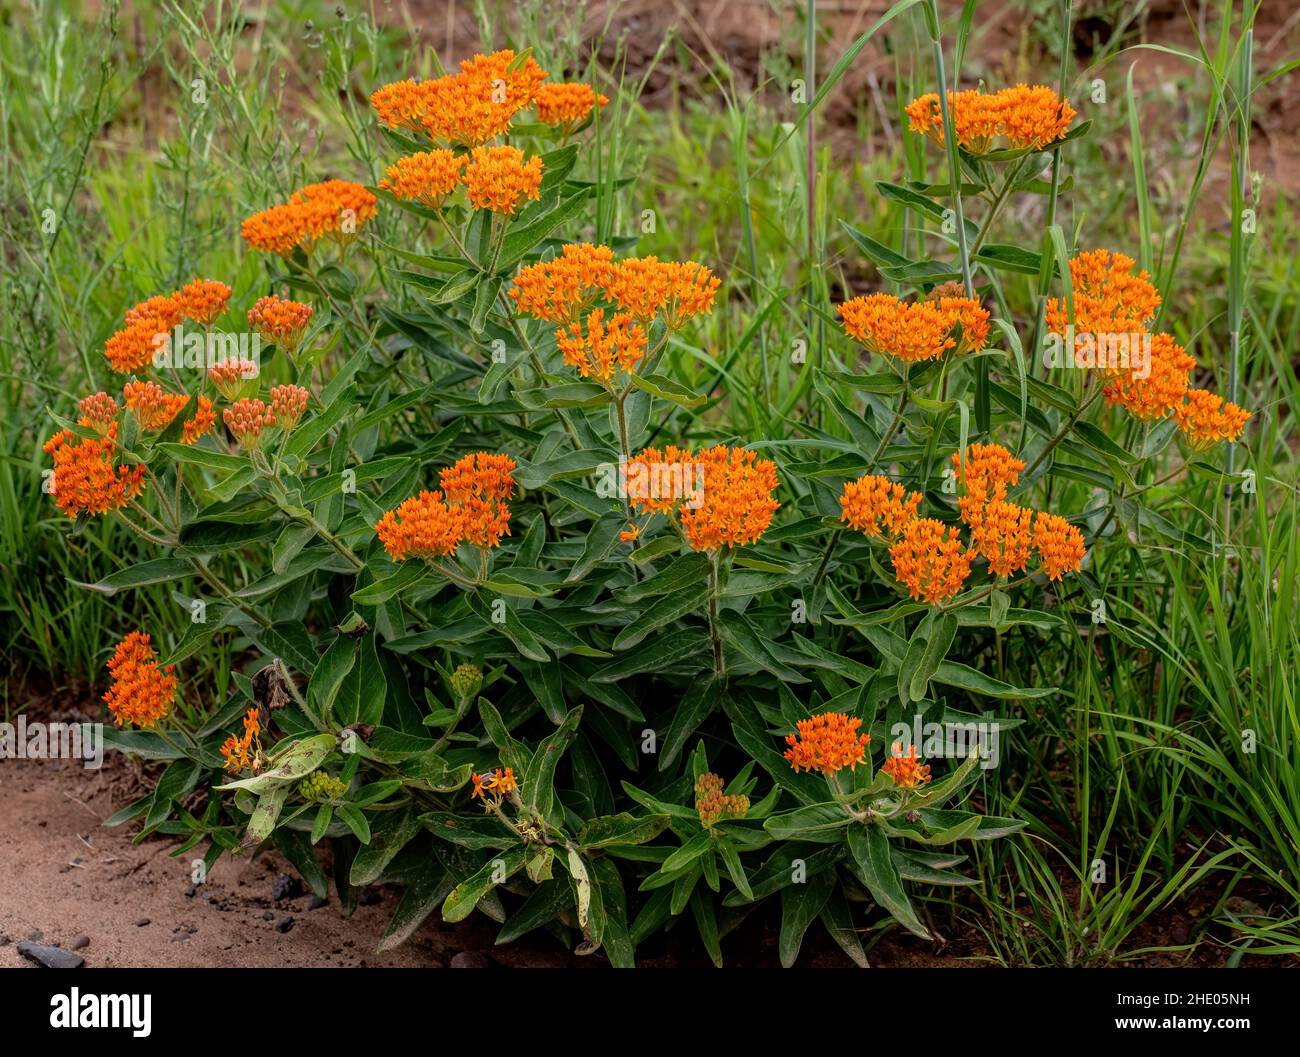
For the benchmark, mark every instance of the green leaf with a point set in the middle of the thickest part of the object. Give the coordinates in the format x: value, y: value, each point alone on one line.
x: 157, y: 571
x: 875, y: 869
x: 661, y: 614
x: 800, y: 906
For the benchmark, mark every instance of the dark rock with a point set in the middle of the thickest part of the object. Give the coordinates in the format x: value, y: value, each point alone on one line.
x: 284, y: 924
x: 285, y: 887
x: 79, y: 941
x: 268, y: 915
x: 368, y: 897
x: 191, y: 892
x: 471, y: 960
x: 50, y: 957
x: 36, y: 935
x: 4, y: 940
x: 142, y: 922
x: 317, y: 902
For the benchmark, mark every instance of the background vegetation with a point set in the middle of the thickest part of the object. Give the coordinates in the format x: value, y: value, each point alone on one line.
x: 136, y: 138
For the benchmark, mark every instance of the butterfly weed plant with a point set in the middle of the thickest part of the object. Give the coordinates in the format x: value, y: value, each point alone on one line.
x: 534, y: 638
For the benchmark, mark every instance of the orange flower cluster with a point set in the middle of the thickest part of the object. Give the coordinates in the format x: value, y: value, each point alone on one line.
x: 229, y: 376
x: 919, y: 331
x: 646, y: 286
x: 560, y: 289
x: 876, y: 506
x: 492, y: 788
x: 244, y: 753
x: 713, y: 805
x: 1004, y: 534
x: 498, y: 178
x: 246, y: 419
x: 566, y: 103
x: 657, y: 481
x: 1108, y: 297
x: 1162, y: 390
x: 603, y: 349
x: 201, y: 424
x: 146, y: 324
x: 465, y: 109
x: 736, y: 503
x: 1110, y: 302
x: 904, y: 769
x: 930, y: 561
x: 203, y: 300
x: 1026, y: 117
x: 1207, y: 418
x: 471, y: 508
x: 423, y: 526
x: 142, y: 692
x: 827, y: 743
x: 85, y: 481
x: 153, y: 407
x: 480, y: 484
x: 98, y: 412
x: 288, y: 402
x: 280, y: 321
x: 132, y: 347
x: 428, y: 177
x: 335, y: 208
x: 1059, y: 545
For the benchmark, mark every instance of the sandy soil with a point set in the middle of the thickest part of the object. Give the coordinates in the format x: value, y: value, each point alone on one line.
x: 64, y: 876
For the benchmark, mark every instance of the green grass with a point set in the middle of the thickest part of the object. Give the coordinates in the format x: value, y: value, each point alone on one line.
x: 1172, y: 753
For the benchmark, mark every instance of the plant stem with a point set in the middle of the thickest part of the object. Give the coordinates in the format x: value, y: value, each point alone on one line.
x: 719, y: 662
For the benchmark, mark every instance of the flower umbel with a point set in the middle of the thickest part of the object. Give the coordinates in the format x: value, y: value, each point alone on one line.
x: 827, y: 743
x: 142, y: 692
x: 903, y: 768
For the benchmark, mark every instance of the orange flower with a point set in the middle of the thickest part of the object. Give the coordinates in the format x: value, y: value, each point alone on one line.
x: 229, y: 376
x: 1028, y: 117
x: 736, y: 504
x: 503, y: 782
x: 657, y: 481
x: 142, y: 692
x: 904, y: 769
x: 152, y: 406
x: 132, y: 347
x: 423, y: 526
x: 203, y: 421
x: 603, y: 350
x: 1003, y: 534
x: 280, y: 321
x: 498, y: 178
x: 498, y: 784
x: 1163, y: 388
x: 876, y: 506
x: 288, y: 402
x: 560, y: 289
x: 246, y: 419
x: 513, y: 82
x: 989, y: 471
x: 827, y: 743
x: 915, y: 332
x: 243, y: 753
x: 929, y: 560
x: 566, y: 104
x: 1108, y: 298
x: 203, y: 300
x: 428, y: 177
x: 335, y: 208
x: 646, y: 286
x: 1206, y: 419
x: 1059, y: 545
x: 85, y: 481
x: 163, y: 307
x: 98, y: 412
x: 480, y: 484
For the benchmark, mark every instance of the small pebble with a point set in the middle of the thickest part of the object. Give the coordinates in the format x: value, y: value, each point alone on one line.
x: 284, y: 924
x: 79, y: 941
x: 142, y: 922
x: 471, y: 960
x: 317, y: 902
